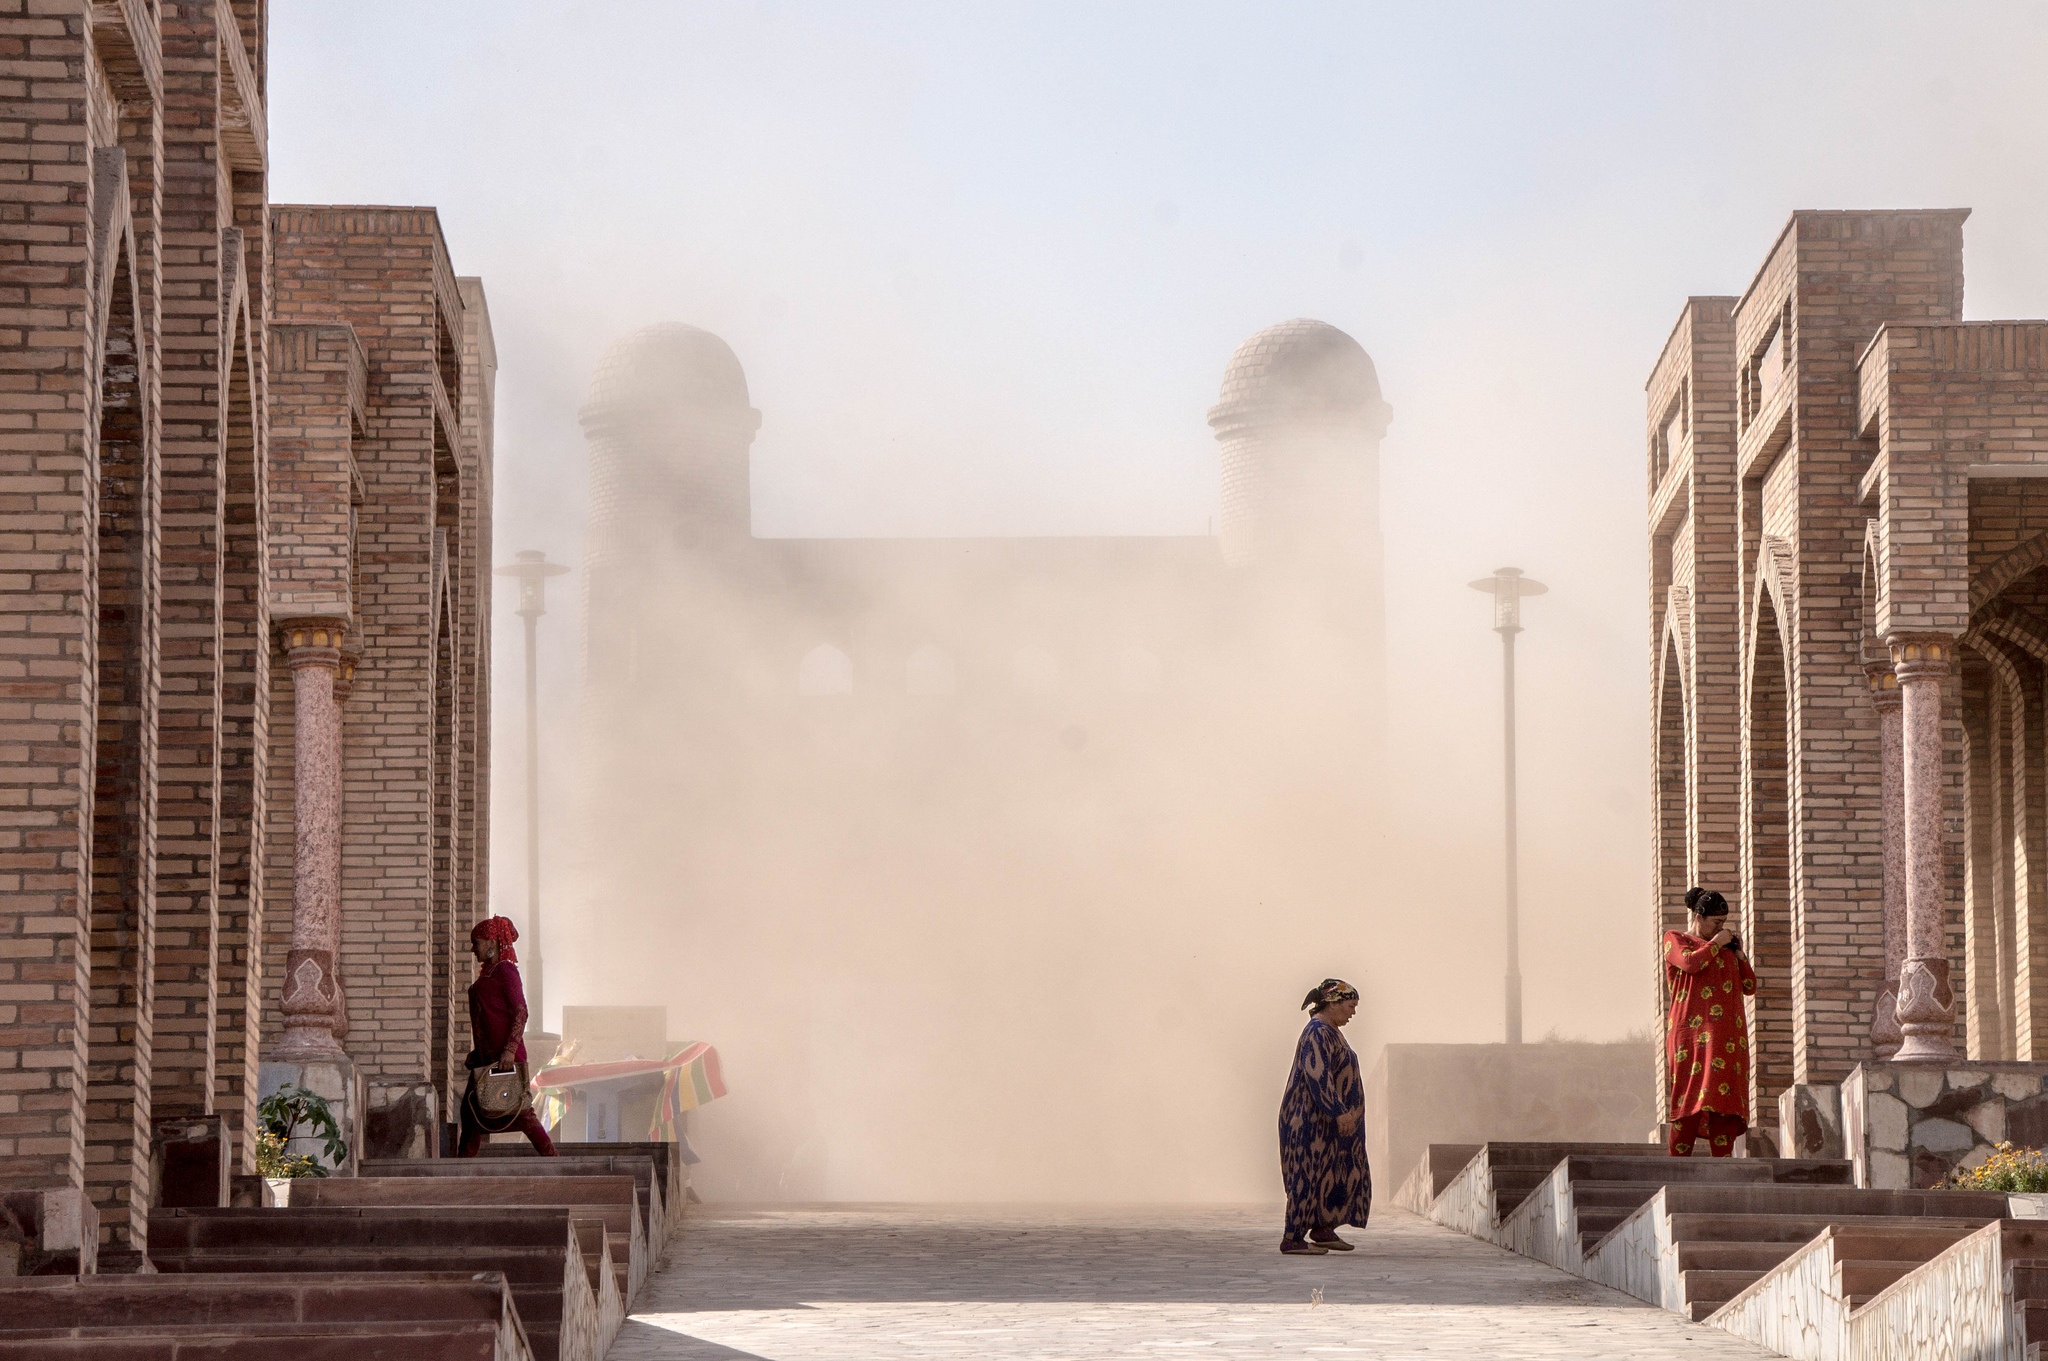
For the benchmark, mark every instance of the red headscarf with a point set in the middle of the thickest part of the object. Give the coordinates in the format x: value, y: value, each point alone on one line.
x: 501, y: 930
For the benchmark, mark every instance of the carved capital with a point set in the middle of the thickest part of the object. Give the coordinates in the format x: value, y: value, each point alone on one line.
x: 1884, y: 685
x: 314, y: 641
x: 1922, y: 657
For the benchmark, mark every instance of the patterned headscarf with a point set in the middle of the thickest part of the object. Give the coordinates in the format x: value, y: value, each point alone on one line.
x: 1328, y: 993
x: 501, y: 930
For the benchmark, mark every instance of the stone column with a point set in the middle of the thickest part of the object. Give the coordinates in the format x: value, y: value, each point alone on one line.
x: 1927, y: 1004
x: 314, y: 1017
x: 1885, y: 1034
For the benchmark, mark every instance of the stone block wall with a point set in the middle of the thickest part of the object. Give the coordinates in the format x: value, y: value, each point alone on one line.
x: 1420, y: 1094
x: 1907, y: 1126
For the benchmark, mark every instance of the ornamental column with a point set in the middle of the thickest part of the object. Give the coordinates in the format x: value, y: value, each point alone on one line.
x: 1885, y: 1035
x: 315, y: 1014
x: 1927, y: 1004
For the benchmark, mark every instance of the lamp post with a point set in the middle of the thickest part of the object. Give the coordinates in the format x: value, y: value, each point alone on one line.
x: 1507, y: 586
x: 532, y: 570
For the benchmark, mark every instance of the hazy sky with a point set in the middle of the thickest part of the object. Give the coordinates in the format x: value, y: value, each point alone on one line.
x: 984, y: 265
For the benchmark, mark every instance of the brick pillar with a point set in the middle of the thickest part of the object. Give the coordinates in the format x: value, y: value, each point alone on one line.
x: 1885, y: 1034
x: 1927, y: 1004
x: 315, y: 1012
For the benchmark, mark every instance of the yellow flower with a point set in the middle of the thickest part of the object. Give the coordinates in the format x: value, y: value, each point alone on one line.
x: 1715, y: 1011
x: 1720, y: 1063
x: 1724, y: 1089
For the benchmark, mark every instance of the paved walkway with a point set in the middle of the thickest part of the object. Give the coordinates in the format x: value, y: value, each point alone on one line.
x: 849, y: 1282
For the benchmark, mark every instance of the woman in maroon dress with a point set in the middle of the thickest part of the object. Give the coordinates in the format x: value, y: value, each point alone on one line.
x: 497, y: 1021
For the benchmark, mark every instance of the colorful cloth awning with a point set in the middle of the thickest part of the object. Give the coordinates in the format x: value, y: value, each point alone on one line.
x: 690, y: 1077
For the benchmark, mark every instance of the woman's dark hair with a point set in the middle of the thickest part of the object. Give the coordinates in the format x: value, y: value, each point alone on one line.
x: 1706, y: 902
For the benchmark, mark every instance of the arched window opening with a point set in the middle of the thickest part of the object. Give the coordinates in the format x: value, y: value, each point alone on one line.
x: 825, y: 670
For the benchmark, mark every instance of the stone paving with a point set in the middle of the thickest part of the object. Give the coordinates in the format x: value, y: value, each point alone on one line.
x: 832, y: 1283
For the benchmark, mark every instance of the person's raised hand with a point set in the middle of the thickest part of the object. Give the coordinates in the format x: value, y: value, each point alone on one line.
x: 1722, y: 937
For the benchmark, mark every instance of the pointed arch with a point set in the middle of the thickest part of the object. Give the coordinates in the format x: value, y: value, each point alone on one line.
x: 1769, y: 881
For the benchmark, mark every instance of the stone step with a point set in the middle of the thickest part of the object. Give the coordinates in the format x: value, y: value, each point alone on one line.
x: 1726, y: 1256
x: 611, y: 1201
x: 447, y: 1341
x: 271, y: 1297
x: 667, y: 1156
x: 533, y: 1275
x: 1698, y: 1227
x: 1549, y: 1155
x: 1713, y: 1288
x: 1830, y: 1201
x: 1666, y: 1170
x: 1861, y: 1277
x: 641, y: 1167
x: 360, y: 1227
x: 1441, y: 1164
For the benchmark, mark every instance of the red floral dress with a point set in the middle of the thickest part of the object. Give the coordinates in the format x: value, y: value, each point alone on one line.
x: 1707, y: 1037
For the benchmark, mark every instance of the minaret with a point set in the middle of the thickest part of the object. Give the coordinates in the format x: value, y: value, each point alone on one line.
x: 1300, y: 420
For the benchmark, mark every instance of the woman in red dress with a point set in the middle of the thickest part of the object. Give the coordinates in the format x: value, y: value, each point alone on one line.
x: 1706, y: 1044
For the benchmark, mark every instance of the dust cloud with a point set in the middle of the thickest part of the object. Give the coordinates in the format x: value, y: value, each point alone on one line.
x: 997, y: 867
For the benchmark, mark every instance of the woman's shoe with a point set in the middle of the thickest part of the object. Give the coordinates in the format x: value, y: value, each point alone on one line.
x: 1329, y: 1241
x: 1297, y: 1248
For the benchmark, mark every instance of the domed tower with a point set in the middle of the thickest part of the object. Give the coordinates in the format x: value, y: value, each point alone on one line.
x: 669, y: 431
x: 1300, y: 420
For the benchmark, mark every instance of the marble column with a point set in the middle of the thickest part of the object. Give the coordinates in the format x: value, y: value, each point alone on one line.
x: 1885, y: 1034
x: 1927, y: 1004
x: 315, y: 1017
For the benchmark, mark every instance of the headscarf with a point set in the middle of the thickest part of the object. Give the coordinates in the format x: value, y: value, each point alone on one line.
x: 1327, y: 993
x: 501, y: 930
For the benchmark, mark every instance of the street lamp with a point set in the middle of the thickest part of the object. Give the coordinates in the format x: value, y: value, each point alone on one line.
x: 532, y: 569
x: 1507, y: 586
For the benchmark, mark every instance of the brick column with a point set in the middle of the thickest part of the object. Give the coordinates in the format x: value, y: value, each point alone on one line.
x: 1927, y: 1004
x: 314, y: 1015
x: 1885, y: 697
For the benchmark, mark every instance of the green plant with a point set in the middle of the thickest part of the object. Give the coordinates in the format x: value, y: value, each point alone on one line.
x: 2007, y: 1169
x: 273, y: 1161
x: 285, y: 1111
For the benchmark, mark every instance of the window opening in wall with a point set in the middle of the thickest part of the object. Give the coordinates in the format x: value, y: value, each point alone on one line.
x: 1671, y: 435
x: 825, y: 670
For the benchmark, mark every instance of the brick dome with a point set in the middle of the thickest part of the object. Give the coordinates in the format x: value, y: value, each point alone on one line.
x: 1299, y: 366
x: 673, y: 367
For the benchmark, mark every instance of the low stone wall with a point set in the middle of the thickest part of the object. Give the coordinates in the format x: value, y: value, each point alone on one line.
x: 1467, y: 1203
x: 1908, y: 1125
x: 1422, y: 1094
x: 1955, y: 1306
x: 1797, y: 1309
x: 1638, y: 1258
x: 1544, y: 1227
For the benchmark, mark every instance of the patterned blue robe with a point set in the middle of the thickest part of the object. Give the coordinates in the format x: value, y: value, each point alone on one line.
x: 1328, y: 1181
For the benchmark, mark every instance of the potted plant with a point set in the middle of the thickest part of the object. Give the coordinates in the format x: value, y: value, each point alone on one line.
x: 289, y: 1113
x: 2022, y: 1173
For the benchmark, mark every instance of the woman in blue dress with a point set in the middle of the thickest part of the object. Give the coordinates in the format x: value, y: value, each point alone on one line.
x: 1322, y: 1135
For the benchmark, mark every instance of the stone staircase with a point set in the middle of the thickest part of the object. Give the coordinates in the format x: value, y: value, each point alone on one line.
x: 661, y: 1217
x: 556, y: 1263
x: 449, y: 1316
x: 1786, y: 1252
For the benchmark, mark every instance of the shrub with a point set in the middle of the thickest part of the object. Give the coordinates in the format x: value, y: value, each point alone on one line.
x: 2007, y: 1169
x: 288, y: 1109
x: 273, y: 1161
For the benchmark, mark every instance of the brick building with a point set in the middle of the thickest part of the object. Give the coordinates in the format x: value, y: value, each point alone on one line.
x: 1849, y: 623
x: 245, y: 478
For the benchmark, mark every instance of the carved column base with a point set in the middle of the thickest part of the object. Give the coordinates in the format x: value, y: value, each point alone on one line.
x: 1885, y: 1035
x: 314, y: 1014
x: 1927, y: 1013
